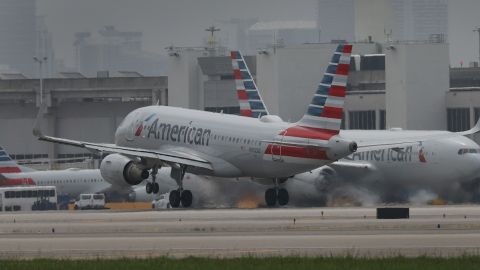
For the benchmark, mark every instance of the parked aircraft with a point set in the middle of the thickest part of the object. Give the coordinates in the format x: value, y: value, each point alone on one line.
x: 70, y: 181
x: 73, y: 181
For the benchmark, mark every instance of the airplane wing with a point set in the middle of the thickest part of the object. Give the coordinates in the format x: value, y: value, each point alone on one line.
x: 167, y: 156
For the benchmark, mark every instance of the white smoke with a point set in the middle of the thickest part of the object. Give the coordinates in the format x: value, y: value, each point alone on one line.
x: 422, y: 197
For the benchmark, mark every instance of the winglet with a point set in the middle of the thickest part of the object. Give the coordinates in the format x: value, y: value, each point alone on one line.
x: 471, y: 131
x: 37, y: 131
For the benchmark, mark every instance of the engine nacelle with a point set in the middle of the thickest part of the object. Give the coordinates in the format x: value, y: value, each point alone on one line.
x: 120, y: 170
x: 339, y: 147
x: 326, y: 177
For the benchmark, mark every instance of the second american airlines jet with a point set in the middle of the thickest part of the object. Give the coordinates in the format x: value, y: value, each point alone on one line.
x: 227, y: 145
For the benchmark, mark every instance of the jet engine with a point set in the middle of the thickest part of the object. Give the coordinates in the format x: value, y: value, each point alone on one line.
x: 325, y: 179
x: 339, y: 148
x: 120, y: 170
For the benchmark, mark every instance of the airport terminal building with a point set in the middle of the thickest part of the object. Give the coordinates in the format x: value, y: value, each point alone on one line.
x: 76, y: 107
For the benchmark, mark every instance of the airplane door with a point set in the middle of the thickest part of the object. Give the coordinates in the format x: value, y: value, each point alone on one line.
x: 277, y: 150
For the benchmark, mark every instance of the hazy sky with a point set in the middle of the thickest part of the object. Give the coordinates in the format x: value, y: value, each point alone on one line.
x: 182, y: 22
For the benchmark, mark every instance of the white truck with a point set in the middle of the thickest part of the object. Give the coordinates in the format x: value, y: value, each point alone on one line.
x: 162, y: 202
x: 90, y: 201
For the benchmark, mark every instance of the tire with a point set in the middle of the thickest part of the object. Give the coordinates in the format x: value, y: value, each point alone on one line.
x: 149, y: 188
x: 282, y: 197
x: 156, y: 188
x: 174, y: 198
x: 186, y: 198
x: 271, y: 197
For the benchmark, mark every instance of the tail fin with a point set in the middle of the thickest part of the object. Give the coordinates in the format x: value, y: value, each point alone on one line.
x: 251, y: 103
x: 7, y: 165
x: 326, y: 109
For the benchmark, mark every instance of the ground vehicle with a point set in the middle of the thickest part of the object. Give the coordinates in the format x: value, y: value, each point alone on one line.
x: 28, y: 198
x: 162, y: 202
x: 90, y: 201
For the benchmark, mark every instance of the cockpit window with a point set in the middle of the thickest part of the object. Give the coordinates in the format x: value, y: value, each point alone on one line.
x: 464, y: 151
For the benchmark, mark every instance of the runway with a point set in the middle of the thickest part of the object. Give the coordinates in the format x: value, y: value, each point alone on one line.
x: 435, y: 231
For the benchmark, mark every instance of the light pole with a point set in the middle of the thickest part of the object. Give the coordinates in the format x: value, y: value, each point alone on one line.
x: 478, y: 30
x: 40, y: 63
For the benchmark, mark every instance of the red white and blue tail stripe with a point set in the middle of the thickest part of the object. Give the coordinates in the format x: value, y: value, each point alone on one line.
x: 251, y: 103
x: 10, y: 167
x: 326, y: 109
x: 7, y: 165
x: 323, y: 118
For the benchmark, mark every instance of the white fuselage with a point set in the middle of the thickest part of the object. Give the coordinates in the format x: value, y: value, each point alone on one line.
x: 71, y: 182
x: 437, y: 165
x: 235, y: 146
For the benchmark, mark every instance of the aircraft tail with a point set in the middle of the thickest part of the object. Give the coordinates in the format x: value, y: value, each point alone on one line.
x: 7, y: 165
x: 325, y: 111
x: 11, y: 168
x: 251, y: 103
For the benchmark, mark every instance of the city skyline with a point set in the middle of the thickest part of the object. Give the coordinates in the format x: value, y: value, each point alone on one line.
x: 166, y: 23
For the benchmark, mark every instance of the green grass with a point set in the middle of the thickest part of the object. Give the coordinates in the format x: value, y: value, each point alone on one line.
x: 296, y: 263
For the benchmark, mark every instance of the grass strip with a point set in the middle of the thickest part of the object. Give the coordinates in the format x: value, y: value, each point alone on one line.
x: 245, y: 263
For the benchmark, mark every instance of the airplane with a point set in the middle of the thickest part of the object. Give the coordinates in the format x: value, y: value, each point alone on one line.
x: 216, y: 144
x: 448, y: 162
x: 72, y: 181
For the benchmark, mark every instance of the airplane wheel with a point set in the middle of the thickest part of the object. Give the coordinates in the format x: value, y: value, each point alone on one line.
x: 156, y: 188
x: 149, y: 188
x: 186, y: 198
x: 282, y: 197
x: 174, y: 198
x: 271, y: 197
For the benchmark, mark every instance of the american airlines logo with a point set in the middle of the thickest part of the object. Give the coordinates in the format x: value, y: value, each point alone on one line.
x: 389, y: 155
x: 174, y: 133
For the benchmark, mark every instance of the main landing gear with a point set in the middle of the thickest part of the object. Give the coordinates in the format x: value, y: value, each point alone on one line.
x: 180, y: 196
x: 276, y: 194
x: 153, y: 187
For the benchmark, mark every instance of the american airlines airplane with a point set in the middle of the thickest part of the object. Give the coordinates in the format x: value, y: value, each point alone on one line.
x: 70, y: 181
x: 223, y: 145
x: 73, y: 181
x: 444, y: 165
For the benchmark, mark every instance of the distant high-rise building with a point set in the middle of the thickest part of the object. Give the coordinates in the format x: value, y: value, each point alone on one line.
x: 381, y: 20
x: 236, y: 32
x: 281, y: 33
x: 114, y: 50
x: 420, y: 20
x: 336, y: 20
x: 17, y: 35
